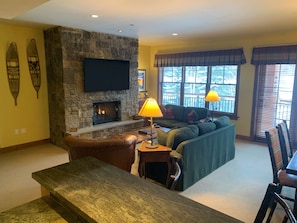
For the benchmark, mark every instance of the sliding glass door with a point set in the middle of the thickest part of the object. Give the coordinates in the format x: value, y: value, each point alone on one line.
x: 275, y: 97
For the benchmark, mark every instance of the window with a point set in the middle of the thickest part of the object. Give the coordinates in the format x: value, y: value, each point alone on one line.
x: 188, y: 86
x: 186, y: 78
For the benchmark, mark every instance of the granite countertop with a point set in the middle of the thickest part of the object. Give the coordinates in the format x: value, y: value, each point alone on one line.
x: 99, y: 192
x: 40, y: 210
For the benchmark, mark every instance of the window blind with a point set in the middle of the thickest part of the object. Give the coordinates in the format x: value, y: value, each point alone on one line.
x: 274, y: 55
x: 205, y: 58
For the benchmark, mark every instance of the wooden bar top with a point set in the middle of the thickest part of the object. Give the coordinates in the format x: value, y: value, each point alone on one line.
x: 99, y: 192
x: 40, y: 210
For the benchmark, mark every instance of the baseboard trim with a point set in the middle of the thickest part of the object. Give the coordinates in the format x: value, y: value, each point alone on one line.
x: 23, y: 146
x: 243, y: 137
x: 44, y: 141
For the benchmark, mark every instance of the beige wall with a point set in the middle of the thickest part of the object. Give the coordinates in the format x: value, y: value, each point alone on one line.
x: 243, y: 124
x: 30, y: 113
x: 144, y: 62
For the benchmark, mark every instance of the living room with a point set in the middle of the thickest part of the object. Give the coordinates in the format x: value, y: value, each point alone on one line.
x: 26, y: 121
x: 17, y: 130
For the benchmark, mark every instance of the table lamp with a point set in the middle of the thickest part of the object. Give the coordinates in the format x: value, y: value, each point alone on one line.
x: 150, y: 108
x: 212, y: 96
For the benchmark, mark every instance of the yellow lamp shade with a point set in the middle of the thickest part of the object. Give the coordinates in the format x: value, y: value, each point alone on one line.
x: 212, y: 96
x: 150, y: 108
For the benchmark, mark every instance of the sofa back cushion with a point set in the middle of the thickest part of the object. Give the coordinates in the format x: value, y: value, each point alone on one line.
x: 222, y: 122
x: 176, y: 136
x: 162, y: 136
x: 206, y: 127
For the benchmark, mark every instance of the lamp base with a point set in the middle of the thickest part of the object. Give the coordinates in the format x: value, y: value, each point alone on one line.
x: 150, y: 146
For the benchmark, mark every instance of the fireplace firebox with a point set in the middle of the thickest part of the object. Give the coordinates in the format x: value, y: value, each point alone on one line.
x: 106, y: 112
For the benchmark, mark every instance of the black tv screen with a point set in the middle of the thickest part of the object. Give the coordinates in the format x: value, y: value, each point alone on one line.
x: 106, y: 75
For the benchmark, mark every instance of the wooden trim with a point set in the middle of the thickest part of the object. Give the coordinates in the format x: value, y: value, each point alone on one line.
x: 248, y: 138
x: 23, y: 146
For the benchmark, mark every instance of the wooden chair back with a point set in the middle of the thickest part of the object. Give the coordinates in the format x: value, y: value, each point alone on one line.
x: 273, y: 143
x: 285, y: 143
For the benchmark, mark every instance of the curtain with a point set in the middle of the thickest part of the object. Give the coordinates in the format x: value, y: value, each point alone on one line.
x: 206, y: 58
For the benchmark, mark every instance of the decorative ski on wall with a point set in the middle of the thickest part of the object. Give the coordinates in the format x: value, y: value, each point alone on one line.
x: 13, y: 70
x: 34, y: 67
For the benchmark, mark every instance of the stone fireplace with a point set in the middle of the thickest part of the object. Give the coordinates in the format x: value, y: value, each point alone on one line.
x: 70, y: 107
x: 104, y: 112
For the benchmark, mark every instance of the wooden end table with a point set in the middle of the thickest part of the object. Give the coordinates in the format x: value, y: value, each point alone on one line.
x: 148, y: 155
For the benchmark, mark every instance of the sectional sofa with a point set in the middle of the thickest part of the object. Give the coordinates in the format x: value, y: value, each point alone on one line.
x: 200, y: 148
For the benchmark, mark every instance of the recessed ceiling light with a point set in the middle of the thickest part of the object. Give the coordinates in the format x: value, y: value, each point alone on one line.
x: 94, y: 16
x: 174, y: 34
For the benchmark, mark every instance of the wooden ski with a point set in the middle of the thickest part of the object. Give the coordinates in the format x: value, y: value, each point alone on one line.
x: 33, y: 63
x: 13, y: 70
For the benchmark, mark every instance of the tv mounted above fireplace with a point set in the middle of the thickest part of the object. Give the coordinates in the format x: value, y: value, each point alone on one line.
x: 106, y: 75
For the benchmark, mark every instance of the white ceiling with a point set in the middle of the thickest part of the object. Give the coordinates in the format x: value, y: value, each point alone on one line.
x: 154, y: 21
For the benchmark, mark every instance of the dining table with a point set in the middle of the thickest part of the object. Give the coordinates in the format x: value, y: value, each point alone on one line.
x: 292, y: 165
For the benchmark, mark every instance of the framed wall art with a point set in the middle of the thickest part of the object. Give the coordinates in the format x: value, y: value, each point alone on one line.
x: 141, y: 80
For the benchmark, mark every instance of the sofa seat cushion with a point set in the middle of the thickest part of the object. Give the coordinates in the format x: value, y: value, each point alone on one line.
x: 206, y: 127
x: 176, y: 136
x: 170, y: 123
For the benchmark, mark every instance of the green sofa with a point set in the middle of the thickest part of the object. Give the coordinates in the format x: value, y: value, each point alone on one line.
x: 200, y: 149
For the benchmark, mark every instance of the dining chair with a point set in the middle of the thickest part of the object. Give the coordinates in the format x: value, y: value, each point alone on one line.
x: 289, y: 214
x: 285, y: 142
x: 280, y: 177
x: 272, y: 197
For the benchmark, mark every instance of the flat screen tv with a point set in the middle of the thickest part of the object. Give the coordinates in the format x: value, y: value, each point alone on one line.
x: 106, y: 75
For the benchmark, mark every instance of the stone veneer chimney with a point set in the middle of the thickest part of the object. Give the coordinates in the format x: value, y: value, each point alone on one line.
x: 69, y: 106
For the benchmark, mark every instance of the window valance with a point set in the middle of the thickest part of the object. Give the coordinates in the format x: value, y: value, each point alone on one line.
x: 274, y: 55
x: 206, y: 58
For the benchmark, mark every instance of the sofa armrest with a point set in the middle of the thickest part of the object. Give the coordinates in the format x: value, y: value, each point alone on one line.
x: 176, y: 155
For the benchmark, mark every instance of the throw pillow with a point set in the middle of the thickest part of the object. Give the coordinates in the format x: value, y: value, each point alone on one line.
x: 167, y: 112
x: 192, y: 117
x: 176, y: 136
x: 206, y: 127
x: 222, y: 122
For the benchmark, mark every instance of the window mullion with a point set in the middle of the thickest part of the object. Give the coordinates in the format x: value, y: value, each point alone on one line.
x: 182, y: 86
x: 208, y: 83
